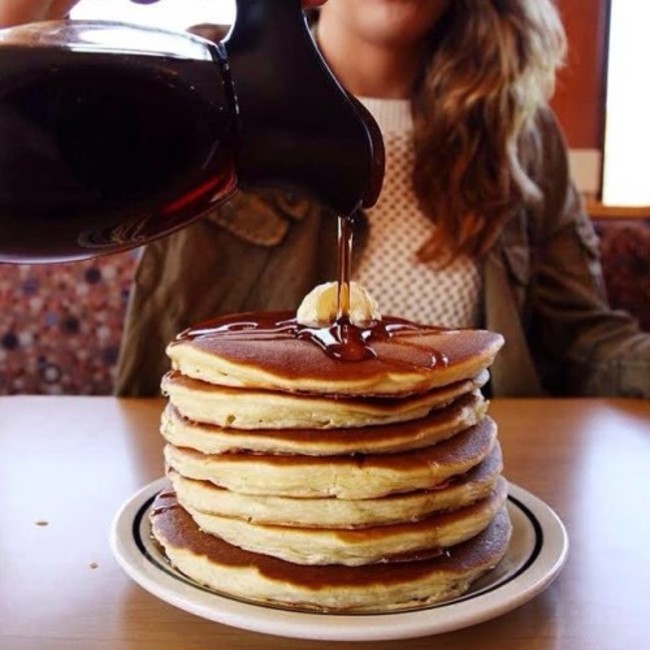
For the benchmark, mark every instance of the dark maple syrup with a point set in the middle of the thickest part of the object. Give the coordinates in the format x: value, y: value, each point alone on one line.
x: 102, y: 151
x: 341, y: 339
x: 343, y: 296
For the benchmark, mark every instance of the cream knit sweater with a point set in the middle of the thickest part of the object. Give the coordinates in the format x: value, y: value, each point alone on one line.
x: 389, y: 268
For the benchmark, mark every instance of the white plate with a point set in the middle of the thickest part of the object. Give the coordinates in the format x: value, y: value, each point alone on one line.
x: 536, y: 554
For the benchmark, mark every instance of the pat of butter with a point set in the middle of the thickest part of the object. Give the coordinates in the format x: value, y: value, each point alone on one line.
x: 320, y: 306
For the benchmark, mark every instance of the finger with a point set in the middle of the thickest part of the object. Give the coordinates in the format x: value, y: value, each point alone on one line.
x: 15, y: 12
x: 60, y: 8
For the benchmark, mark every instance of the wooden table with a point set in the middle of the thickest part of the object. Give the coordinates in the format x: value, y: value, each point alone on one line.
x: 67, y: 463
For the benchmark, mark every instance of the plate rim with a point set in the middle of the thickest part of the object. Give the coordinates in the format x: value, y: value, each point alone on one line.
x: 535, y: 575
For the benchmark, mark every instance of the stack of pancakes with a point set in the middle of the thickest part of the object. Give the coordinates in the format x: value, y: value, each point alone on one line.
x: 307, y: 481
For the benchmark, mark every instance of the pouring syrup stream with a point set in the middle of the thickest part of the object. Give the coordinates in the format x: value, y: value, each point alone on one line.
x: 340, y: 339
x: 344, y: 263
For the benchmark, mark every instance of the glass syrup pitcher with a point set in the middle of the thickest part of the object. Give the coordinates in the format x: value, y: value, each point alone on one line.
x: 112, y: 135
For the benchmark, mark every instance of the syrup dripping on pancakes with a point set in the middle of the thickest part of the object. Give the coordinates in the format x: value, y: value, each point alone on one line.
x: 342, y: 339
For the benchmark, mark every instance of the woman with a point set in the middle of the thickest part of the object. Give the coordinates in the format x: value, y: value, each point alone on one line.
x: 478, y: 220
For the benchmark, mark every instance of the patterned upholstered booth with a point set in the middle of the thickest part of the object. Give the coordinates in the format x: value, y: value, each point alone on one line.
x: 60, y: 325
x: 625, y: 249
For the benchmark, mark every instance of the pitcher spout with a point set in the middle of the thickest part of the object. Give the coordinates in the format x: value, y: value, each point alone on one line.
x: 298, y: 127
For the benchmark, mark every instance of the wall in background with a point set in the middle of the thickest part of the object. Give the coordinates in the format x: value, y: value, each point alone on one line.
x: 579, y: 99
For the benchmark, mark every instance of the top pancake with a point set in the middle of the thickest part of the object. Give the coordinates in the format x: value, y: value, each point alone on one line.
x: 236, y: 351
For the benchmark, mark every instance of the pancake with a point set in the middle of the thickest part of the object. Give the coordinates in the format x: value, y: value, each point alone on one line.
x: 343, y: 462
x: 360, y: 546
x: 252, y: 408
x: 383, y: 587
x: 457, y: 492
x: 434, y: 427
x: 274, y: 352
x: 347, y: 477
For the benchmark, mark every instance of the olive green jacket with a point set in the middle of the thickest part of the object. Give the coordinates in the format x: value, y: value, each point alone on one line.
x: 542, y: 287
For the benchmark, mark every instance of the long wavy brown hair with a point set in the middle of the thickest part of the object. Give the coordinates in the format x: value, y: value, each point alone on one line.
x: 490, y: 67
